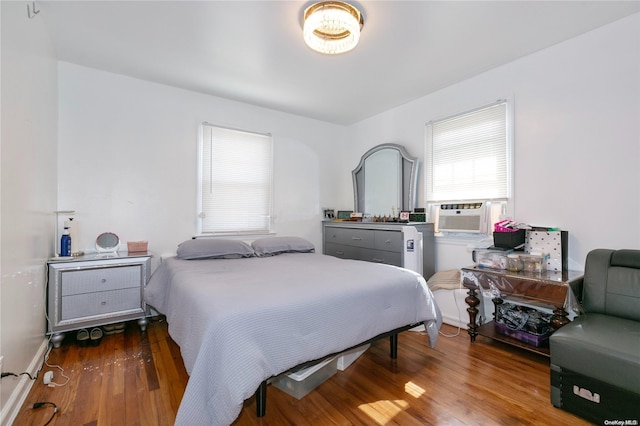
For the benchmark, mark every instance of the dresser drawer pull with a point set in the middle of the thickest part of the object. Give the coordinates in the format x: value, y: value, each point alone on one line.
x: 387, y: 242
x: 375, y: 259
x: 341, y: 253
x: 104, y: 280
x: 103, y: 303
x: 356, y: 238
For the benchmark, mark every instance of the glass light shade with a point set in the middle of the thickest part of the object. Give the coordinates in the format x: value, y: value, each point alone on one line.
x: 332, y: 27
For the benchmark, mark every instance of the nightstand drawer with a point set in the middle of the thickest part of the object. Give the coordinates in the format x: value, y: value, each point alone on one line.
x: 98, y: 303
x: 100, y: 279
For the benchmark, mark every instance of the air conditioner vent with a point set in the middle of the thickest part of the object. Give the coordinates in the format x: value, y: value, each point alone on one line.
x: 461, y: 217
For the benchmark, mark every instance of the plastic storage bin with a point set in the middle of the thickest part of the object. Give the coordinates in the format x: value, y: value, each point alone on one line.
x: 523, y: 336
x: 523, y: 323
x: 301, y: 382
x: 345, y: 359
x: 487, y: 258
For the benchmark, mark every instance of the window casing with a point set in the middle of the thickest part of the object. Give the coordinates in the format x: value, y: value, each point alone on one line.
x: 468, y: 158
x: 235, y: 181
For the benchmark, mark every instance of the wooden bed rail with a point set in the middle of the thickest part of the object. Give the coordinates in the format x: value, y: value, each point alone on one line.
x: 261, y: 392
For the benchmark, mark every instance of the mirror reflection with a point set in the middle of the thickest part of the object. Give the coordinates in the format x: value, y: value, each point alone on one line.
x: 382, y: 178
x: 384, y: 181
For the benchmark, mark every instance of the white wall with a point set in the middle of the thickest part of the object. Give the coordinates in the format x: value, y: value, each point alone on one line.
x: 128, y: 157
x: 576, y: 140
x: 28, y: 188
x: 577, y: 137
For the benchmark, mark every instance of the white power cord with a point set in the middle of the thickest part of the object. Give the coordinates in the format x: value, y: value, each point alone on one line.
x: 48, y: 376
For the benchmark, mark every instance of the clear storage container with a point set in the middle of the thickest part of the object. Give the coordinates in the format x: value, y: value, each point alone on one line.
x: 534, y: 263
x: 514, y: 262
x: 301, y: 382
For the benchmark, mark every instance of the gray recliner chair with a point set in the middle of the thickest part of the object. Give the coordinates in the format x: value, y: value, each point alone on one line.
x: 595, y: 359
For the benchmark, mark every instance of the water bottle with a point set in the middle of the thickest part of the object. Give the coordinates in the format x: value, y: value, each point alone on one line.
x: 65, y: 243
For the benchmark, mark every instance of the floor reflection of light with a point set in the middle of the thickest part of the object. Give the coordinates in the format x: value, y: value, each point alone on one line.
x: 413, y: 389
x: 383, y: 412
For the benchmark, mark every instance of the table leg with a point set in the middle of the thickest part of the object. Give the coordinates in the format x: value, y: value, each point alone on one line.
x: 559, y: 318
x: 473, y: 301
x: 497, y: 301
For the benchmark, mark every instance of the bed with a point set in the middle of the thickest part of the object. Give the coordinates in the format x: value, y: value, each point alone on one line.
x: 242, y: 314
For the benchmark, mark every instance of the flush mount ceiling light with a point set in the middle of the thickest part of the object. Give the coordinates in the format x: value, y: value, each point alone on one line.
x: 332, y: 27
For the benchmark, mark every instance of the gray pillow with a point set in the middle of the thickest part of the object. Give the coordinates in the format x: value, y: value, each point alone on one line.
x: 272, y: 246
x: 213, y: 248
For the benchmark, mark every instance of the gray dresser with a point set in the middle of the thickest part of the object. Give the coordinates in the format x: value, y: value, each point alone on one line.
x: 379, y: 243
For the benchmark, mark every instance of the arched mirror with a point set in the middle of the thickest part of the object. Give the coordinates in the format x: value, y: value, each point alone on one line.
x: 384, y: 182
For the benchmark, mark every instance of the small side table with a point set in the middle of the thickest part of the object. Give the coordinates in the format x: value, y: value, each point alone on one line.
x: 554, y: 289
x: 95, y: 290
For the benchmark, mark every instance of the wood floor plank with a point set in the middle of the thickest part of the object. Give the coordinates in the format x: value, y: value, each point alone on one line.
x: 135, y: 378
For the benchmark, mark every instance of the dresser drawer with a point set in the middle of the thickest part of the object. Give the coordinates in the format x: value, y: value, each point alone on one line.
x: 358, y: 253
x: 100, y: 279
x: 381, y: 256
x: 388, y: 240
x: 77, y: 306
x: 350, y: 237
x: 342, y: 251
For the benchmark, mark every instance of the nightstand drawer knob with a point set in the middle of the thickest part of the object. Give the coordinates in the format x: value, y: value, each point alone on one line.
x: 104, y: 280
x: 103, y: 303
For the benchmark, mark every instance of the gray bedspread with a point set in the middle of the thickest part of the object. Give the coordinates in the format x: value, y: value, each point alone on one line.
x: 240, y: 321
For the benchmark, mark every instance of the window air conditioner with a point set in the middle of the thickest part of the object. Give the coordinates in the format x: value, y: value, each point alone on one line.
x: 461, y: 217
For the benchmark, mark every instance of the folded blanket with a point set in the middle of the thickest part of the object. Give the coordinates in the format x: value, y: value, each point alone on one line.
x: 448, y: 279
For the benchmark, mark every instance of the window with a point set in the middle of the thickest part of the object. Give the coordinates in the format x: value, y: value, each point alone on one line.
x: 468, y: 158
x: 235, y: 190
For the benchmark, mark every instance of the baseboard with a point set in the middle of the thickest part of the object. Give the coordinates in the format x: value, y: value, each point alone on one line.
x: 15, y: 401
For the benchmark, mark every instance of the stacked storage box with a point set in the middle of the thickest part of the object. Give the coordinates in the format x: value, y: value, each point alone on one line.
x: 523, y: 323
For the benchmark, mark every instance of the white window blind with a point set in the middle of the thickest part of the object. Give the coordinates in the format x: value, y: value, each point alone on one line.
x: 467, y: 156
x: 235, y: 181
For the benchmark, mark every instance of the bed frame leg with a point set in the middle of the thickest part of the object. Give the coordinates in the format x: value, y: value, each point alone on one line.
x: 393, y: 346
x: 261, y: 399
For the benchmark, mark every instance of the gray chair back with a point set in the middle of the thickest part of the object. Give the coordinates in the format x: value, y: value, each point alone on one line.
x: 612, y: 283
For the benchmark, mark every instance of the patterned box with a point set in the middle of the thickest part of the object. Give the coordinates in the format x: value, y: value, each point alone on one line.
x: 555, y: 243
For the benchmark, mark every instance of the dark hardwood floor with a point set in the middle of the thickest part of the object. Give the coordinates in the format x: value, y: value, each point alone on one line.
x: 135, y: 378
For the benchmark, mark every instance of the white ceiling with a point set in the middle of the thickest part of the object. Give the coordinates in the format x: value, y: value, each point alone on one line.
x: 252, y: 51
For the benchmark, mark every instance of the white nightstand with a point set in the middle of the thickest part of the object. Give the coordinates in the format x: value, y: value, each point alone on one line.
x: 95, y: 290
